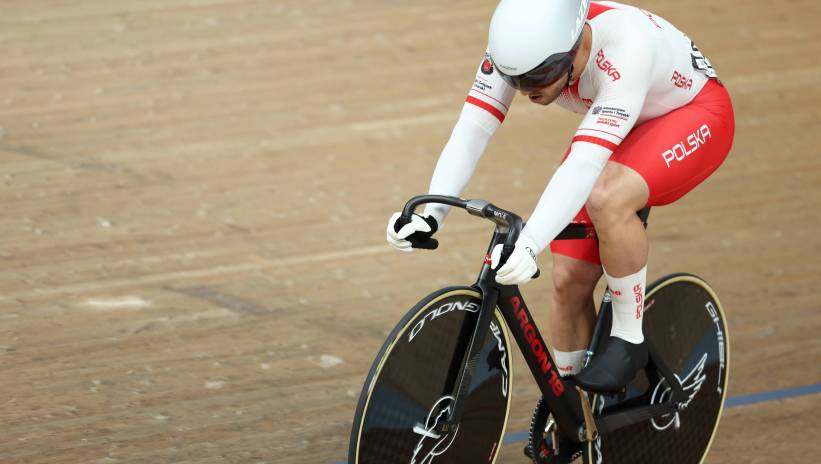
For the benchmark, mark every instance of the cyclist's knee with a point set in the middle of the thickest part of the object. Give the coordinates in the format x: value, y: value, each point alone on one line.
x: 619, y: 192
x: 574, y: 280
x: 598, y: 203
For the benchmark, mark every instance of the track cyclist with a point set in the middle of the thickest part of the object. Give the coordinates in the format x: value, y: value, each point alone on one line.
x: 657, y: 122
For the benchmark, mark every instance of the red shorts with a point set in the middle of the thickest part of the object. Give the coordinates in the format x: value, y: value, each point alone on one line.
x: 672, y: 153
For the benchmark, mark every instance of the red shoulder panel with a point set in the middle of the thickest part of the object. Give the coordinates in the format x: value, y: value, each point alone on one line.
x: 597, y: 9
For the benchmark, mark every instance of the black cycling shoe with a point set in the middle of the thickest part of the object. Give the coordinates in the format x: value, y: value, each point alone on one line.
x: 613, y: 366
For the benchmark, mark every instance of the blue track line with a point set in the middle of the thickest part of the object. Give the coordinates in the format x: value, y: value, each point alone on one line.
x: 733, y: 401
x: 774, y: 395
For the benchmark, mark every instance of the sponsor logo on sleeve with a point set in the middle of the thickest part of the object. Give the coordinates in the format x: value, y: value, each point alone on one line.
x: 680, y: 81
x: 487, y: 65
x: 612, y: 112
x: 615, y: 123
x: 482, y: 85
x: 607, y: 67
x: 610, y: 116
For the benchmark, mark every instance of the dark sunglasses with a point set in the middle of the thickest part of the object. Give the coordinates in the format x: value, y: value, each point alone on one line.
x: 548, y: 72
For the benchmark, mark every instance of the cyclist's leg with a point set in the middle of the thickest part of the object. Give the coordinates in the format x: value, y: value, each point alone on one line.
x: 661, y: 160
x: 658, y: 163
x: 619, y: 193
x: 572, y: 313
x: 576, y: 270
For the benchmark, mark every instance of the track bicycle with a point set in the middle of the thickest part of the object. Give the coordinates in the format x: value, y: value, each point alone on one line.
x: 439, y: 390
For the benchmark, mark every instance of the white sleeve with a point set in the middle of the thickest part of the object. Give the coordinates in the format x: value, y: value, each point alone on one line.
x: 566, y: 192
x: 484, y: 111
x: 619, y: 99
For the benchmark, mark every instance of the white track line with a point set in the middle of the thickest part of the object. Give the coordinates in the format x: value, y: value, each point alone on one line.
x: 258, y: 265
x: 201, y: 273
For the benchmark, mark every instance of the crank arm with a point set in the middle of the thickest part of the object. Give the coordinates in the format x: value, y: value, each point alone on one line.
x: 617, y: 420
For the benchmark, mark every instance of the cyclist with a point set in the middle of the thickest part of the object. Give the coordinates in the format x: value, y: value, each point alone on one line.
x: 657, y: 122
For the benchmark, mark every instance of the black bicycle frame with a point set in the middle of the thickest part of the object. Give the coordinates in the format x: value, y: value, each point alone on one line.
x: 563, y: 399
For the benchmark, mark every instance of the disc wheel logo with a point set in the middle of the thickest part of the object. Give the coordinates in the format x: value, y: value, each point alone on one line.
x: 432, y: 443
x: 691, y: 384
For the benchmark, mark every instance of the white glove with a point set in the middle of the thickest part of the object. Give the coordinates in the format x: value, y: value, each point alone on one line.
x: 398, y: 239
x: 521, y: 265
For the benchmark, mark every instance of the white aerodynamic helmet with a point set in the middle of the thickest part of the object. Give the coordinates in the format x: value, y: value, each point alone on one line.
x: 533, y: 42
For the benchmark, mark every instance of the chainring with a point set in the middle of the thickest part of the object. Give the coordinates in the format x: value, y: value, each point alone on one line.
x: 540, y: 447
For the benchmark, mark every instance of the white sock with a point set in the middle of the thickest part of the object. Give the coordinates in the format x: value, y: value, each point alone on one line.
x: 569, y: 362
x: 628, y: 305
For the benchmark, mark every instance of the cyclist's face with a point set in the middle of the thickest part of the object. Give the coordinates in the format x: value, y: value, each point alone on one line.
x: 548, y: 94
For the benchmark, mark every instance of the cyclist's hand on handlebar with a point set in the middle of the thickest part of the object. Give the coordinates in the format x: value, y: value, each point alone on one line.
x: 404, y: 237
x: 521, y: 266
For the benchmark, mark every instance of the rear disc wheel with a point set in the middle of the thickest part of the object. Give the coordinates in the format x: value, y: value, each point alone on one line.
x: 684, y: 319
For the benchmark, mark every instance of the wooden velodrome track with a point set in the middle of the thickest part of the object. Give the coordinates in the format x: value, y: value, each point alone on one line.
x: 194, y: 196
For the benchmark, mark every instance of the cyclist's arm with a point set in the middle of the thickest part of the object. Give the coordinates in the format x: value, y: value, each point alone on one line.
x: 611, y: 117
x: 484, y: 110
x: 566, y: 192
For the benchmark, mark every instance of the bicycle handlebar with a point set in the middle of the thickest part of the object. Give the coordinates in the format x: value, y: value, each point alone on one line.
x: 480, y: 208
